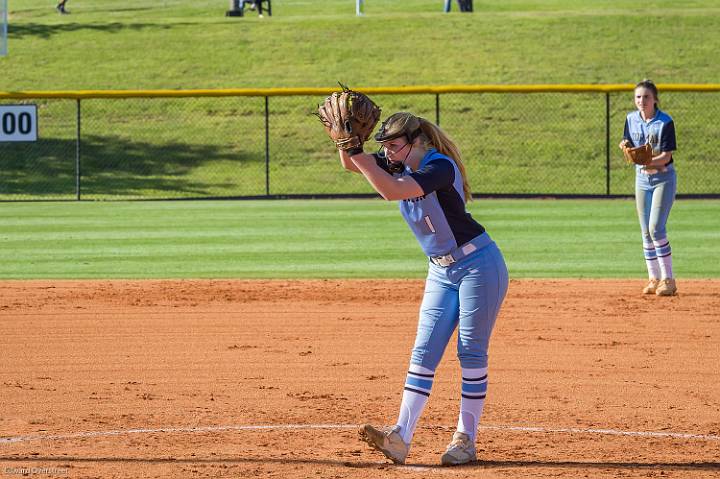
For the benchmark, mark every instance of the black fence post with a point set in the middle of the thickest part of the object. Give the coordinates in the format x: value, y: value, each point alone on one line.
x: 437, y: 109
x: 267, y: 147
x: 607, y: 143
x: 78, y: 171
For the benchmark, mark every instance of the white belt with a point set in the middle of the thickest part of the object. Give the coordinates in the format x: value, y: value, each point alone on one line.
x: 444, y: 261
x: 455, y: 256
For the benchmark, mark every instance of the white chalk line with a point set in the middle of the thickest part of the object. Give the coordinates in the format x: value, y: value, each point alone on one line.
x: 201, y: 429
x: 121, y: 432
x: 610, y: 432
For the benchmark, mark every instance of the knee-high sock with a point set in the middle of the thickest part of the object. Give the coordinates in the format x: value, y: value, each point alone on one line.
x: 651, y: 260
x: 474, y: 388
x: 418, y: 384
x: 664, y: 256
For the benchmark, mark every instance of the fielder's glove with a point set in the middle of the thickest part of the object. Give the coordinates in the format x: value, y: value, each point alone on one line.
x: 349, y: 118
x: 641, y: 155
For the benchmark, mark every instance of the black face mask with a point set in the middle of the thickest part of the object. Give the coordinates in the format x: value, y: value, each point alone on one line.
x: 392, y: 166
x: 395, y: 167
x: 399, y: 166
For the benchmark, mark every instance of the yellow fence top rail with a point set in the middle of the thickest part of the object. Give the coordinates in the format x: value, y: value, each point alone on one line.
x: 264, y: 92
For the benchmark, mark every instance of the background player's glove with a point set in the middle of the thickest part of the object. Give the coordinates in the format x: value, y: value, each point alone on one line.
x: 641, y: 155
x: 349, y: 117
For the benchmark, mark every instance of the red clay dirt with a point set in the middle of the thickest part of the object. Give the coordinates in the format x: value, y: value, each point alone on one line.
x: 271, y: 379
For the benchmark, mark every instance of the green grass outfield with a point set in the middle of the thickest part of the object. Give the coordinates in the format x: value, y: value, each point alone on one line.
x: 521, y: 143
x: 106, y: 44
x: 333, y: 239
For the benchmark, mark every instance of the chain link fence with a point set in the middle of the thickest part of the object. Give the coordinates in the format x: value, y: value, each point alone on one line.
x: 519, y: 142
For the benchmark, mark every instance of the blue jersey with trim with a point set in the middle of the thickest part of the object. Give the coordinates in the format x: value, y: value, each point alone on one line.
x: 659, y: 132
x: 438, y: 219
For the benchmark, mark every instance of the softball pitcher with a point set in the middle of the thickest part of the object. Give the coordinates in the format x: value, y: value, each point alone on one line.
x: 655, y: 184
x: 420, y: 167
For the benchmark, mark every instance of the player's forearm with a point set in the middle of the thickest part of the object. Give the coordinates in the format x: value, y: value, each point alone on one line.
x: 375, y: 175
x: 662, y: 159
x: 347, y: 162
x: 388, y: 186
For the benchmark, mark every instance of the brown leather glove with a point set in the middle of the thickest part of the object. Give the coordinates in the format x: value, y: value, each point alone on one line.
x: 641, y: 155
x: 349, y: 118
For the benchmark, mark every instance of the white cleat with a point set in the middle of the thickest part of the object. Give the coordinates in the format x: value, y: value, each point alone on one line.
x: 461, y: 450
x: 651, y: 286
x: 667, y: 287
x: 386, y: 440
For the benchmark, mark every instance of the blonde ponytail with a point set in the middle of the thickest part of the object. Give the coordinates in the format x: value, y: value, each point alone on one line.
x: 438, y: 139
x: 411, y: 126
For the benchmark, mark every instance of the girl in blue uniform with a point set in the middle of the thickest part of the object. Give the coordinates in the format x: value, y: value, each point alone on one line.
x: 421, y: 168
x: 655, y: 184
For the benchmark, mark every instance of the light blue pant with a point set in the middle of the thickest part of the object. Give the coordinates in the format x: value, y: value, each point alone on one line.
x: 654, y: 196
x: 466, y: 295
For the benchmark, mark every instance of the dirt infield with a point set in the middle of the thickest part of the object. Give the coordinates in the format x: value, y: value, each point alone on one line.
x: 271, y: 378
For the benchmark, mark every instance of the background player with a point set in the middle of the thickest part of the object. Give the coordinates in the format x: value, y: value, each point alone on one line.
x: 60, y: 7
x: 254, y: 5
x: 466, y: 283
x: 655, y: 184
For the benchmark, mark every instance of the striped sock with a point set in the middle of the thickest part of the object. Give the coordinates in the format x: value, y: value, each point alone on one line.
x: 651, y: 260
x: 418, y: 384
x: 664, y: 256
x: 474, y: 388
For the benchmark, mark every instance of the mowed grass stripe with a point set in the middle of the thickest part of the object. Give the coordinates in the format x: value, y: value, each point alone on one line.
x: 332, y: 239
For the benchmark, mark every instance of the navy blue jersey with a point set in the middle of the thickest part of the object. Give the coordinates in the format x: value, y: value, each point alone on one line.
x: 438, y: 218
x: 658, y: 132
